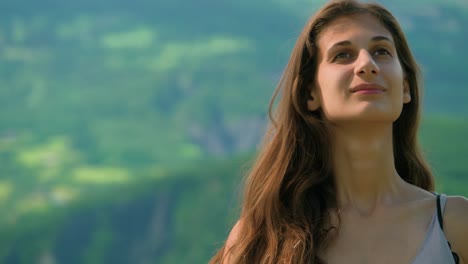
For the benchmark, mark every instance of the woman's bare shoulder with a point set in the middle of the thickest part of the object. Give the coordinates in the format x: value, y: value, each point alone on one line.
x: 231, y: 241
x: 456, y: 225
x: 234, y: 234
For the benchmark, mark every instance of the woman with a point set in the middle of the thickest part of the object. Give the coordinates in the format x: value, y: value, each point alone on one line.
x: 340, y: 178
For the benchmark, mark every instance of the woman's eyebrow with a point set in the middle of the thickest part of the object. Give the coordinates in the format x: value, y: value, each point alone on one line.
x: 329, y: 51
x: 348, y: 43
x: 341, y: 43
x: 381, y: 38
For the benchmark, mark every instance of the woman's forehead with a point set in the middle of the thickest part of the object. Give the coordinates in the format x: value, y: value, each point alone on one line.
x: 359, y: 27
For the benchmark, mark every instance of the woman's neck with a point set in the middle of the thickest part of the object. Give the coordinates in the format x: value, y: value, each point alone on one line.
x: 365, y: 172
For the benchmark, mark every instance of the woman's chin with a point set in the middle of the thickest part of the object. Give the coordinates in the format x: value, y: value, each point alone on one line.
x: 366, y: 116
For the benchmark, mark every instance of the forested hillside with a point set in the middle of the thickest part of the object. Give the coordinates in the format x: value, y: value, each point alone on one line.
x: 124, y: 125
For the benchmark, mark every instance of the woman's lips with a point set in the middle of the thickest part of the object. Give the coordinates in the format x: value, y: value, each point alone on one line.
x: 367, y: 88
x: 369, y: 91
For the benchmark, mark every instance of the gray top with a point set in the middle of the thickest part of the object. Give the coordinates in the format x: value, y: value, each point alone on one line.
x: 435, y: 249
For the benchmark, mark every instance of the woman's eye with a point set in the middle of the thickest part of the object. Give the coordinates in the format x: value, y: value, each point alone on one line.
x: 343, y: 55
x: 382, y: 51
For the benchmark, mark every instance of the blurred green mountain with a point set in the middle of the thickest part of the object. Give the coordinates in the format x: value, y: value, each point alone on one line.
x: 176, y: 80
x: 110, y: 105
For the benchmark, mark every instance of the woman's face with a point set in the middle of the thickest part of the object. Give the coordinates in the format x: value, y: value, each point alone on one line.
x: 359, y: 76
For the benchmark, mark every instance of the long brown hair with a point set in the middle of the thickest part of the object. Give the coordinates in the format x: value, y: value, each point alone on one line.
x: 290, y: 189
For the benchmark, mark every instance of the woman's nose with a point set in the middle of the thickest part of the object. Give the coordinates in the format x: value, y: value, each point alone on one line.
x: 365, y: 65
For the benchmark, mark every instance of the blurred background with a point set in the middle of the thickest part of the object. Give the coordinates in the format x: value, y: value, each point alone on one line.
x: 126, y: 126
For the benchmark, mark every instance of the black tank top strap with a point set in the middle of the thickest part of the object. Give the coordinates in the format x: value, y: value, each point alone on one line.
x: 441, y: 224
x: 439, y: 213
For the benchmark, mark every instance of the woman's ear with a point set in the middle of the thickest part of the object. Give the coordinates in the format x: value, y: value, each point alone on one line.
x: 406, y: 92
x: 313, y: 103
